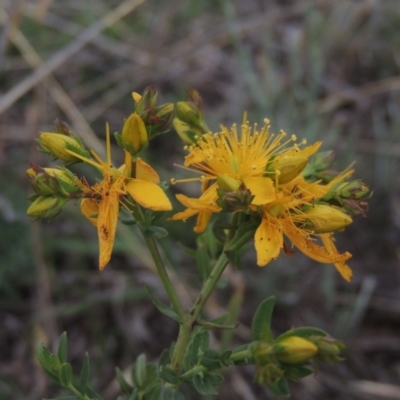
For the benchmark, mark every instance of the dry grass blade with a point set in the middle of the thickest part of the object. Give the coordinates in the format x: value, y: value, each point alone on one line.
x: 63, y: 55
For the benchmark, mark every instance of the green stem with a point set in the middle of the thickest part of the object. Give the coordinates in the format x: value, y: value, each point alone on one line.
x: 159, y: 263
x: 208, y: 287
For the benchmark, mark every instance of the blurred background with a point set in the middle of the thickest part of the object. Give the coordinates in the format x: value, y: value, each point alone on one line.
x: 323, y: 70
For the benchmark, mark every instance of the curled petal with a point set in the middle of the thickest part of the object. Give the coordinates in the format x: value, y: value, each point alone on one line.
x: 90, y: 209
x: 318, y: 253
x: 343, y: 269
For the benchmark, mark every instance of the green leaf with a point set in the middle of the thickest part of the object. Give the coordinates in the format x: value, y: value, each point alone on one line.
x: 172, y: 394
x: 63, y: 348
x: 198, y: 343
x: 213, y: 359
x: 64, y: 398
x: 152, y: 392
x: 261, y: 324
x: 92, y: 394
x: 125, y: 386
x: 84, y: 377
x: 163, y: 308
x: 280, y: 388
x: 139, y: 371
x: 304, y: 332
x: 134, y: 395
x: 204, y: 383
x: 46, y: 361
x: 296, y: 372
x: 234, y: 258
x: 65, y: 375
x: 169, y: 375
x: 187, y: 250
x: 165, y: 357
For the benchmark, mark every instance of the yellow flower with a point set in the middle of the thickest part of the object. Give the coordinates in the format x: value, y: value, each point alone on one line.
x: 243, y: 157
x: 284, y: 217
x: 270, y: 170
x: 102, y: 200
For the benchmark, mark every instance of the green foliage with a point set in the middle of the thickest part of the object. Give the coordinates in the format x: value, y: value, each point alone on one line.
x: 164, y: 309
x: 261, y: 324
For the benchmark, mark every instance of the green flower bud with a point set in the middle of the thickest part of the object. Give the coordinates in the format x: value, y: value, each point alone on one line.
x: 329, y: 349
x: 45, y: 207
x: 134, y: 134
x: 57, y: 145
x: 323, y: 218
x: 227, y: 183
x: 295, y: 350
x: 286, y: 168
x: 68, y: 183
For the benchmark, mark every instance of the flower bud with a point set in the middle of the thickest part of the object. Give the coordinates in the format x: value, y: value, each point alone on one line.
x: 188, y: 112
x: 227, y: 183
x: 134, y: 135
x: 67, y: 181
x: 187, y: 133
x: 329, y: 349
x: 295, y: 350
x: 286, y: 167
x: 45, y: 207
x: 57, y: 144
x: 352, y: 190
x: 322, y: 218
x: 146, y: 101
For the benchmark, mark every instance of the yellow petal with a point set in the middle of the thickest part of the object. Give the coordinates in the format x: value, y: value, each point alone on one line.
x: 90, y: 209
x: 268, y: 241
x: 312, y: 250
x: 309, y: 150
x: 145, y: 172
x: 206, y: 202
x: 148, y: 195
x: 107, y: 224
x: 183, y: 215
x: 343, y: 269
x: 202, y: 220
x: 262, y: 188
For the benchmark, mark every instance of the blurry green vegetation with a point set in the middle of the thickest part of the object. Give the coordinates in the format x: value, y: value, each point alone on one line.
x: 322, y: 70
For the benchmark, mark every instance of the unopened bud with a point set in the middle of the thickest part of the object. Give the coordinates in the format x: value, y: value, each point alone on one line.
x: 67, y: 181
x: 286, y: 167
x: 134, y: 134
x: 295, y: 350
x: 329, y: 349
x: 323, y: 218
x: 57, y: 145
x: 353, y: 190
x: 227, y: 183
x: 185, y: 132
x: 45, y: 207
x: 188, y: 112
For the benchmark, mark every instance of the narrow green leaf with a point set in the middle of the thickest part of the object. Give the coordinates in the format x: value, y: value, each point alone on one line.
x: 165, y: 358
x: 234, y: 258
x: 134, y: 395
x: 46, y: 361
x: 212, y: 359
x: 92, y: 394
x: 261, y: 324
x: 65, y: 374
x: 125, y: 386
x: 280, y: 388
x: 187, y: 250
x: 84, y: 377
x: 163, y: 308
x: 304, y: 332
x: 63, y: 348
x: 172, y: 394
x: 139, y: 375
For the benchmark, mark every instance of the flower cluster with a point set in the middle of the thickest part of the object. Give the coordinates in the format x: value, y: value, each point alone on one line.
x: 254, y: 172
x: 134, y: 183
